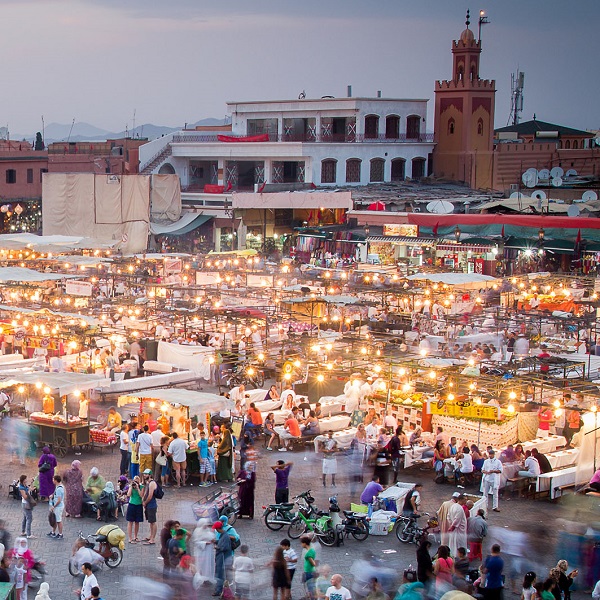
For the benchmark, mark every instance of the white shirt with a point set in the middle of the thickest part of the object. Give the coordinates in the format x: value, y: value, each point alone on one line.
x: 466, y: 464
x: 243, y: 568
x: 333, y: 593
x: 390, y: 421
x: 89, y: 581
x: 177, y: 449
x: 235, y: 394
x: 372, y: 431
x: 124, y: 444
x: 492, y: 464
x: 532, y: 465
x: 157, y: 435
x: 596, y: 592
x: 145, y: 442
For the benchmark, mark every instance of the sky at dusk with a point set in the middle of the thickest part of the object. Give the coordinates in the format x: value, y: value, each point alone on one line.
x: 177, y: 61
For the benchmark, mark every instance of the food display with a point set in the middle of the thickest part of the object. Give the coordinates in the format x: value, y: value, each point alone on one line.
x: 54, y: 419
x: 101, y: 436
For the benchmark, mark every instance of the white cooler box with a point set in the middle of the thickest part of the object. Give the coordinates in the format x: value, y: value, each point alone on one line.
x: 381, y: 522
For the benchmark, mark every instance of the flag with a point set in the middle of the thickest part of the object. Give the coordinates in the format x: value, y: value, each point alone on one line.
x: 313, y: 185
x: 435, y: 228
x: 229, y: 186
x: 262, y: 187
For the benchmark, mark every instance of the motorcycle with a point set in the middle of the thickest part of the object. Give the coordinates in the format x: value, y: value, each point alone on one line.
x: 408, y: 531
x: 333, y: 528
x: 278, y: 515
x: 246, y: 374
x: 98, y: 543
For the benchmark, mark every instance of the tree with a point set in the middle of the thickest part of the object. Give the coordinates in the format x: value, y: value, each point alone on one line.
x: 39, y: 142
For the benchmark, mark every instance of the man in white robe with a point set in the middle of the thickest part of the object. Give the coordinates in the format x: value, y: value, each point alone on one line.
x: 457, y: 526
x: 442, y: 515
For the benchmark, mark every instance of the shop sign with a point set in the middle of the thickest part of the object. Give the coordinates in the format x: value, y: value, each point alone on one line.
x: 79, y: 288
x: 172, y: 265
x: 401, y: 230
x: 464, y: 409
x: 45, y: 342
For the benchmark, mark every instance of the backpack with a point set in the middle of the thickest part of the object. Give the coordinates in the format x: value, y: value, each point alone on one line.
x: 158, y: 492
x: 236, y: 542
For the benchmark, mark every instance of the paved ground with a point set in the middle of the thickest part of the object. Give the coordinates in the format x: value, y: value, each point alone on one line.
x: 519, y: 515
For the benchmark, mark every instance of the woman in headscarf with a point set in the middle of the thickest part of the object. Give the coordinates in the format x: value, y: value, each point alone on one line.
x: 95, y: 484
x: 22, y: 552
x: 246, y: 481
x: 46, y: 466
x: 225, y: 454
x: 563, y: 581
x: 43, y: 592
x: 204, y: 550
x: 107, y: 503
x: 73, y: 480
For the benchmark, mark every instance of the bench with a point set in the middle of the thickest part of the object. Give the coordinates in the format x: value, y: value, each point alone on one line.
x: 556, y: 481
x: 103, y: 445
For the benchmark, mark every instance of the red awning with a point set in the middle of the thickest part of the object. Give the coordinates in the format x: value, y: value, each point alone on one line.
x: 377, y: 206
x: 537, y: 221
x: 246, y: 138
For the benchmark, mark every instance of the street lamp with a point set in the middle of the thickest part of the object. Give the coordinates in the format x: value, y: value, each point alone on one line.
x: 483, y: 20
x: 457, y: 233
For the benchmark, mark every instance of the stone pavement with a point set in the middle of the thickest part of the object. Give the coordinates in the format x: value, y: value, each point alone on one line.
x: 523, y: 515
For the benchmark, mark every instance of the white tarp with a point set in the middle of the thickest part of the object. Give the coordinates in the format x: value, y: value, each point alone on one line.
x: 21, y: 274
x: 194, y: 358
x: 462, y: 279
x: 109, y: 208
x: 165, y: 198
x: 197, y: 402
x: 63, y: 383
x: 293, y: 200
x: 150, y: 381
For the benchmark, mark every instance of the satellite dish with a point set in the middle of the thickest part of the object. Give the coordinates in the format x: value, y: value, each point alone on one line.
x: 539, y: 194
x: 440, y: 207
x: 544, y: 174
x: 597, y: 141
x: 589, y: 196
x: 557, y: 172
x: 557, y: 181
x: 573, y: 211
x: 518, y: 195
x: 532, y: 181
x: 571, y: 173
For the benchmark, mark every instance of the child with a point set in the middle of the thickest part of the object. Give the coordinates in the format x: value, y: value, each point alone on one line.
x: 529, y: 592
x: 20, y: 586
x: 174, y: 548
x: 95, y: 593
x: 212, y: 464
x: 243, y: 567
x: 186, y: 536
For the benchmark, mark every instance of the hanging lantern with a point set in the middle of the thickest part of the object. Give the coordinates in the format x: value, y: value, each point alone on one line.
x: 4, y: 208
x: 18, y: 209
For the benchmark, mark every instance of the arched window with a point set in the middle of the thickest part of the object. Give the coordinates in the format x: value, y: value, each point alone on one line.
x: 568, y: 144
x: 166, y: 169
x: 377, y: 167
x: 328, y: 169
x: 371, y: 127
x: 392, y: 127
x: 398, y: 169
x: 480, y: 127
x: 575, y: 145
x: 451, y: 126
x: 413, y: 127
x: 353, y: 170
x: 418, y: 168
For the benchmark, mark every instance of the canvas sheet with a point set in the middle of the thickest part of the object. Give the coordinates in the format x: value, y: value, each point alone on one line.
x: 165, y: 198
x: 195, y: 358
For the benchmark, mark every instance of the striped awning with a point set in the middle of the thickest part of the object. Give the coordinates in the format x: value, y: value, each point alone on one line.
x: 403, y: 240
x: 464, y: 248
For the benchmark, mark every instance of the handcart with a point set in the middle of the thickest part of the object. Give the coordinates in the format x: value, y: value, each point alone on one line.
x: 222, y: 502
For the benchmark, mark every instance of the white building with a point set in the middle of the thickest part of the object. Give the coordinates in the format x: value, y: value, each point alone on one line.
x: 289, y: 145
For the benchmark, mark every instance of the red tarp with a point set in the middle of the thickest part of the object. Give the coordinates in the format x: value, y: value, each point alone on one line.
x: 213, y: 188
x: 264, y: 137
x: 377, y: 206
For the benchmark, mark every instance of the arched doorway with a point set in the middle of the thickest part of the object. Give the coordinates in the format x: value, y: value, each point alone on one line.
x: 371, y: 127
x: 166, y: 169
x: 398, y: 169
x: 392, y: 127
x: 418, y: 168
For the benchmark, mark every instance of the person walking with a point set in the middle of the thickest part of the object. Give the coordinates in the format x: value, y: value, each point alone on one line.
x: 73, y: 481
x: 149, y: 489
x: 57, y: 507
x: 89, y: 582
x: 135, y: 511
x: 177, y: 452
x: 492, y: 568
x: 476, y: 531
x: 46, y: 466
x: 337, y: 591
x: 223, y: 556
x: 243, y: 568
x: 329, y: 449
x: 291, y: 558
x: 143, y: 448
x: 490, y: 482
x: 280, y: 575
x: 282, y: 474
x: 225, y: 454
x: 443, y: 569
x: 457, y: 521
x: 27, y: 504
x: 309, y: 561
x: 124, y: 450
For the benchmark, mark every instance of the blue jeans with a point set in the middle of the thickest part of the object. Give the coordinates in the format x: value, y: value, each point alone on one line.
x: 27, y: 519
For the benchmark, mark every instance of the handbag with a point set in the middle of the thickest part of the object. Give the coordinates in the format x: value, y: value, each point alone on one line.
x: 161, y: 460
x: 45, y: 467
x: 30, y: 501
x: 51, y: 518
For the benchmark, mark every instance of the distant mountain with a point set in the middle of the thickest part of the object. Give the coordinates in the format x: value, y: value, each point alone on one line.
x: 84, y: 132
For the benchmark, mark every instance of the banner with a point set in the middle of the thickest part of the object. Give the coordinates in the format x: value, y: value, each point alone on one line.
x: 172, y: 265
x: 465, y: 410
x: 79, y: 288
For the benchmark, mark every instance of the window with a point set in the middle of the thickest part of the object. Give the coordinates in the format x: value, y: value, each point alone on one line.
x: 398, y: 169
x: 11, y: 176
x: 29, y: 175
x: 413, y: 127
x: 392, y: 127
x: 418, y: 168
x: 371, y: 127
x: 450, y: 126
x: 377, y: 166
x: 42, y: 171
x: 328, y: 168
x: 480, y: 127
x: 575, y: 145
x: 567, y: 145
x: 353, y: 170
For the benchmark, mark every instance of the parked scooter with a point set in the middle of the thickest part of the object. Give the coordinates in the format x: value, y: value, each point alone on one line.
x: 278, y: 515
x: 332, y: 529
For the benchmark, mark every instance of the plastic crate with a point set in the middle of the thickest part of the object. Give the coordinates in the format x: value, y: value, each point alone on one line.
x: 379, y: 527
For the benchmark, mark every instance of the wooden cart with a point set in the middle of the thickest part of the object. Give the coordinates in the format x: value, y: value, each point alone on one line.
x: 62, y: 438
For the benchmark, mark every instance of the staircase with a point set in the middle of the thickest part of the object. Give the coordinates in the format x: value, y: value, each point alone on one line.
x: 156, y: 160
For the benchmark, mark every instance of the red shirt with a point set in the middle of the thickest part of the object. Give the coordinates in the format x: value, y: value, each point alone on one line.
x: 292, y: 426
x: 544, y: 416
x: 256, y: 417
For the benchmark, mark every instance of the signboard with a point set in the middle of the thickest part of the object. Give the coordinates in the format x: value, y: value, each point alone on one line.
x: 79, y: 288
x: 465, y: 409
x: 259, y: 281
x: 172, y: 265
x: 208, y: 278
x: 401, y: 230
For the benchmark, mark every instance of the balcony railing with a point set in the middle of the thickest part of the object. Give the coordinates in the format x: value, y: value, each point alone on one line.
x: 307, y: 138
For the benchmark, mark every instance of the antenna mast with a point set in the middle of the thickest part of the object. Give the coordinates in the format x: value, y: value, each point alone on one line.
x: 70, y: 131
x: 517, y: 83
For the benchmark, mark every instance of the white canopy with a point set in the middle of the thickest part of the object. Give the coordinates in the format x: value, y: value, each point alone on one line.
x: 197, y: 402
x: 462, y: 279
x: 91, y: 321
x: 20, y: 274
x: 63, y: 383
